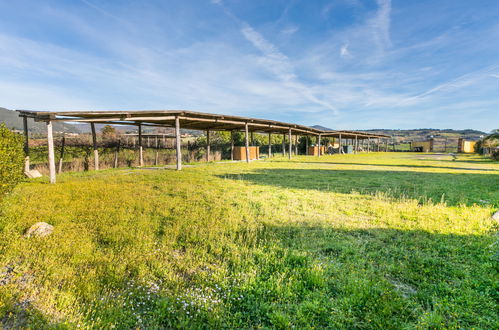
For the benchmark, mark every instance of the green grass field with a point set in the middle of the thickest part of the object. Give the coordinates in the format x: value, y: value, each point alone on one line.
x: 374, y: 240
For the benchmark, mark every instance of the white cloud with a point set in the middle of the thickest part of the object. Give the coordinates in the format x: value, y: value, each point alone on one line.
x: 380, y: 24
x: 344, y: 50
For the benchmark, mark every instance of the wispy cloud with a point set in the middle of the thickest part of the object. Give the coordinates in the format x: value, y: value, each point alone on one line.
x: 280, y: 65
x: 462, y: 81
x: 344, y: 50
x: 380, y: 24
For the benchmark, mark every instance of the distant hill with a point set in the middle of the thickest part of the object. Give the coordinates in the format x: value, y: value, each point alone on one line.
x: 426, y: 133
x: 321, y: 128
x: 13, y: 121
x: 422, y: 133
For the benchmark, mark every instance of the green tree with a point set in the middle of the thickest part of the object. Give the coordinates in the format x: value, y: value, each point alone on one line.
x: 11, y: 159
x: 108, y: 132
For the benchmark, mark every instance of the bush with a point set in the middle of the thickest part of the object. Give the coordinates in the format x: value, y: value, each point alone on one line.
x: 11, y: 159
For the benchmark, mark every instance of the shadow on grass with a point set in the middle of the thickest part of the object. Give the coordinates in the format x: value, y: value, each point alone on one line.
x: 393, y: 278
x: 401, y: 165
x: 452, y: 188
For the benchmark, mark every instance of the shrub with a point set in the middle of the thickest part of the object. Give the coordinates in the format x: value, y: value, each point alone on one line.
x: 11, y: 159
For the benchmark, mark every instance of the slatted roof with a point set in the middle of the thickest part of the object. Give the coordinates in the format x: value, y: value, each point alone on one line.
x: 188, y: 120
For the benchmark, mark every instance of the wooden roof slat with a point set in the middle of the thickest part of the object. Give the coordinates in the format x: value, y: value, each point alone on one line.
x: 189, y: 119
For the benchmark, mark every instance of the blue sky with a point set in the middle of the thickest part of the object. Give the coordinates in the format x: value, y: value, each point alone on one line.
x: 345, y: 64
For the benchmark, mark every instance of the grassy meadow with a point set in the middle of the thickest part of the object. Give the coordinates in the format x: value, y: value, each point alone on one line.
x: 390, y: 241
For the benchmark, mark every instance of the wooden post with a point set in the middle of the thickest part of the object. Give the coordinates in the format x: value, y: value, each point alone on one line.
x: 356, y: 146
x: 156, y: 154
x: 63, y: 142
x: 284, y: 145
x: 26, y: 144
x: 377, y: 142
x: 368, y: 144
x: 94, y: 143
x: 306, y: 144
x: 141, y: 153
x: 207, y: 145
x: 340, y: 142
x: 290, y: 144
x: 231, y: 145
x: 50, y: 142
x: 246, y: 138
x: 270, y: 144
x: 386, y: 145
x: 252, y: 141
x: 116, y: 153
x: 296, y: 144
x: 319, y: 145
x: 178, y: 143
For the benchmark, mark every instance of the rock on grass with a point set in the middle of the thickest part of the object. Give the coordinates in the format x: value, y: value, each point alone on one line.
x: 39, y: 229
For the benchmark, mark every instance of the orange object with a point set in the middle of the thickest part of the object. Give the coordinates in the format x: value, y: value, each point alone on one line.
x: 314, y: 150
x: 240, y: 153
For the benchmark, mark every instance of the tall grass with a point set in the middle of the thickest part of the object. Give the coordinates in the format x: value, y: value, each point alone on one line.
x: 364, y: 241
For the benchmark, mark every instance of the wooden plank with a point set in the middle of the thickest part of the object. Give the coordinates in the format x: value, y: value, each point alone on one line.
x: 178, y: 143
x: 94, y: 143
x: 50, y: 142
x: 290, y: 144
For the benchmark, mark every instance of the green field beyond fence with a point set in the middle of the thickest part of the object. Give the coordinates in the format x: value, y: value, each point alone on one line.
x: 380, y: 240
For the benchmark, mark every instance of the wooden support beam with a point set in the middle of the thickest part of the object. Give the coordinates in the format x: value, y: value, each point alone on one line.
x: 178, y: 143
x: 94, y: 144
x: 340, y: 141
x: 306, y: 144
x: 284, y: 145
x: 319, y: 145
x: 50, y: 142
x: 156, y: 152
x: 26, y: 144
x: 208, y: 145
x: 296, y: 145
x: 356, y: 146
x: 141, y: 151
x: 231, y: 145
x: 368, y: 144
x: 290, y: 143
x: 117, y: 153
x: 246, y: 138
x: 61, y: 156
x: 270, y: 145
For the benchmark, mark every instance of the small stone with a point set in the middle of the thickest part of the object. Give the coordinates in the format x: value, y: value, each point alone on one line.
x: 495, y: 216
x: 39, y: 229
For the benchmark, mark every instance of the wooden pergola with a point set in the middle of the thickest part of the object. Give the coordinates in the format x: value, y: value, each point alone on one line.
x: 178, y: 119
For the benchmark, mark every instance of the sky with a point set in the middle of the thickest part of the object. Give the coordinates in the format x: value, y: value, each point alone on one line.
x: 343, y: 64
